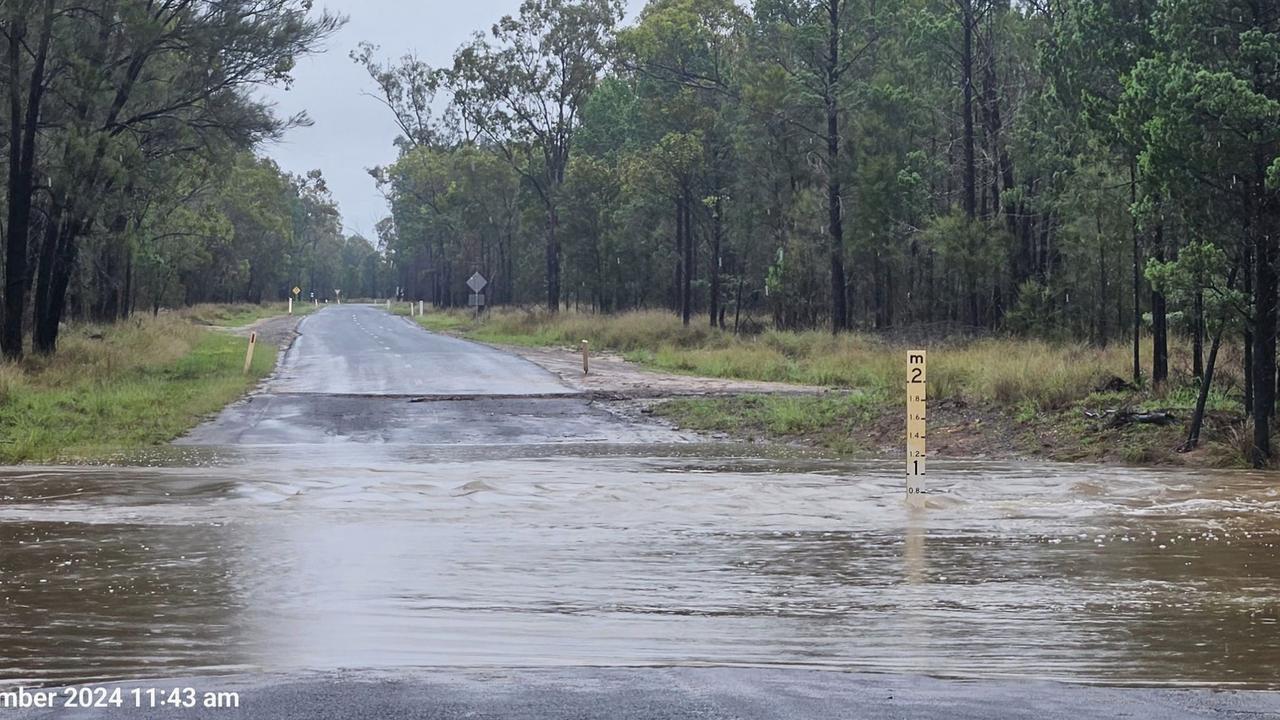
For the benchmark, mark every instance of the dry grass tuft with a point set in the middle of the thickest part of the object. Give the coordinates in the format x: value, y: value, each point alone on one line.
x: 92, y: 353
x: 238, y: 314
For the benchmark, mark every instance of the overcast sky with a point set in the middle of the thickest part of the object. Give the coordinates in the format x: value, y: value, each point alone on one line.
x: 353, y: 131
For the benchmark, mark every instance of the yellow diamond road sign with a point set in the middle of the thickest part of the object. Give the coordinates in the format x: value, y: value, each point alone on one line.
x: 297, y: 290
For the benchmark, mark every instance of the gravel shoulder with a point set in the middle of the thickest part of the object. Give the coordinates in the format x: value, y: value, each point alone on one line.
x: 611, y: 375
x: 280, y: 330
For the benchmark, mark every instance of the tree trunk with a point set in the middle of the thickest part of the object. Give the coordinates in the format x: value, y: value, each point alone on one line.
x: 1202, y: 398
x: 1006, y: 174
x: 24, y: 125
x: 1247, y: 335
x: 717, y: 230
x: 686, y: 280
x: 835, y: 211
x: 737, y: 305
x: 57, y: 263
x: 678, y: 273
x: 128, y: 283
x: 1197, y: 336
x: 1264, y: 326
x: 877, y: 292
x: 1159, y: 338
x: 553, y: 260
x: 1101, y: 299
x: 509, y: 267
x: 1159, y: 319
x: 966, y: 68
x: 1137, y: 277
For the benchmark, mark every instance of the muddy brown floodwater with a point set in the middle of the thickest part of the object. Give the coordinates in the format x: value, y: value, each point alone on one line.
x: 576, y: 555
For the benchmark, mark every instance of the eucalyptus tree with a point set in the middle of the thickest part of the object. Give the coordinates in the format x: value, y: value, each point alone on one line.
x: 28, y: 32
x: 1091, y: 49
x: 691, y: 50
x: 408, y: 89
x: 824, y: 48
x: 523, y: 89
x: 317, y: 230
x: 1205, y: 113
x: 112, y: 84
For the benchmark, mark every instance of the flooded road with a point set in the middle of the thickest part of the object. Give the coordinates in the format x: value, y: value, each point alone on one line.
x: 282, y: 560
x: 396, y: 509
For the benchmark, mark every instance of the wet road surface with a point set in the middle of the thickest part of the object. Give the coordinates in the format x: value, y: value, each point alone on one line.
x: 434, y: 563
x: 357, y: 374
x: 685, y: 693
x: 362, y: 350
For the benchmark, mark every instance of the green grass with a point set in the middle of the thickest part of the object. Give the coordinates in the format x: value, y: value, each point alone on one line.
x: 120, y: 388
x: 829, y: 421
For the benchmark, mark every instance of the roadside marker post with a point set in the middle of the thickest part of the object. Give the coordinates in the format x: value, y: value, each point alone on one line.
x: 476, y: 282
x: 585, y: 346
x: 290, y: 306
x: 248, y: 354
x: 916, y: 419
x: 419, y: 308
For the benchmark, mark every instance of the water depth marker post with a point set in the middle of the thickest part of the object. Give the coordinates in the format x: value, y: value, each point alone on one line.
x: 248, y: 354
x: 916, y: 416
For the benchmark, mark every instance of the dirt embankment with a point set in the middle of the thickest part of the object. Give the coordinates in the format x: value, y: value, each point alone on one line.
x: 279, y: 330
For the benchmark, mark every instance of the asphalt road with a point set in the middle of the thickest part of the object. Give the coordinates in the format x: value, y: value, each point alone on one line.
x: 672, y: 694
x: 363, y: 350
x: 358, y: 374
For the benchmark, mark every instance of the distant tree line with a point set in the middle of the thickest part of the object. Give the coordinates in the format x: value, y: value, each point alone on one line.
x: 131, y: 184
x: 1063, y: 168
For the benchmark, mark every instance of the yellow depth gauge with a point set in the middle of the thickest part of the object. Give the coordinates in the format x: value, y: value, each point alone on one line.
x: 916, y: 416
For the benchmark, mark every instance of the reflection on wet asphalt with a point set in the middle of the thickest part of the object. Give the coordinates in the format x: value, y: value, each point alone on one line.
x: 286, y: 559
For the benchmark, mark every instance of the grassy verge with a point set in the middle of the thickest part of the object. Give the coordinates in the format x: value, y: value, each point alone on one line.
x: 990, y: 397
x: 1008, y: 372
x: 113, y: 389
x: 239, y: 314
x: 833, y: 422
x: 867, y: 425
